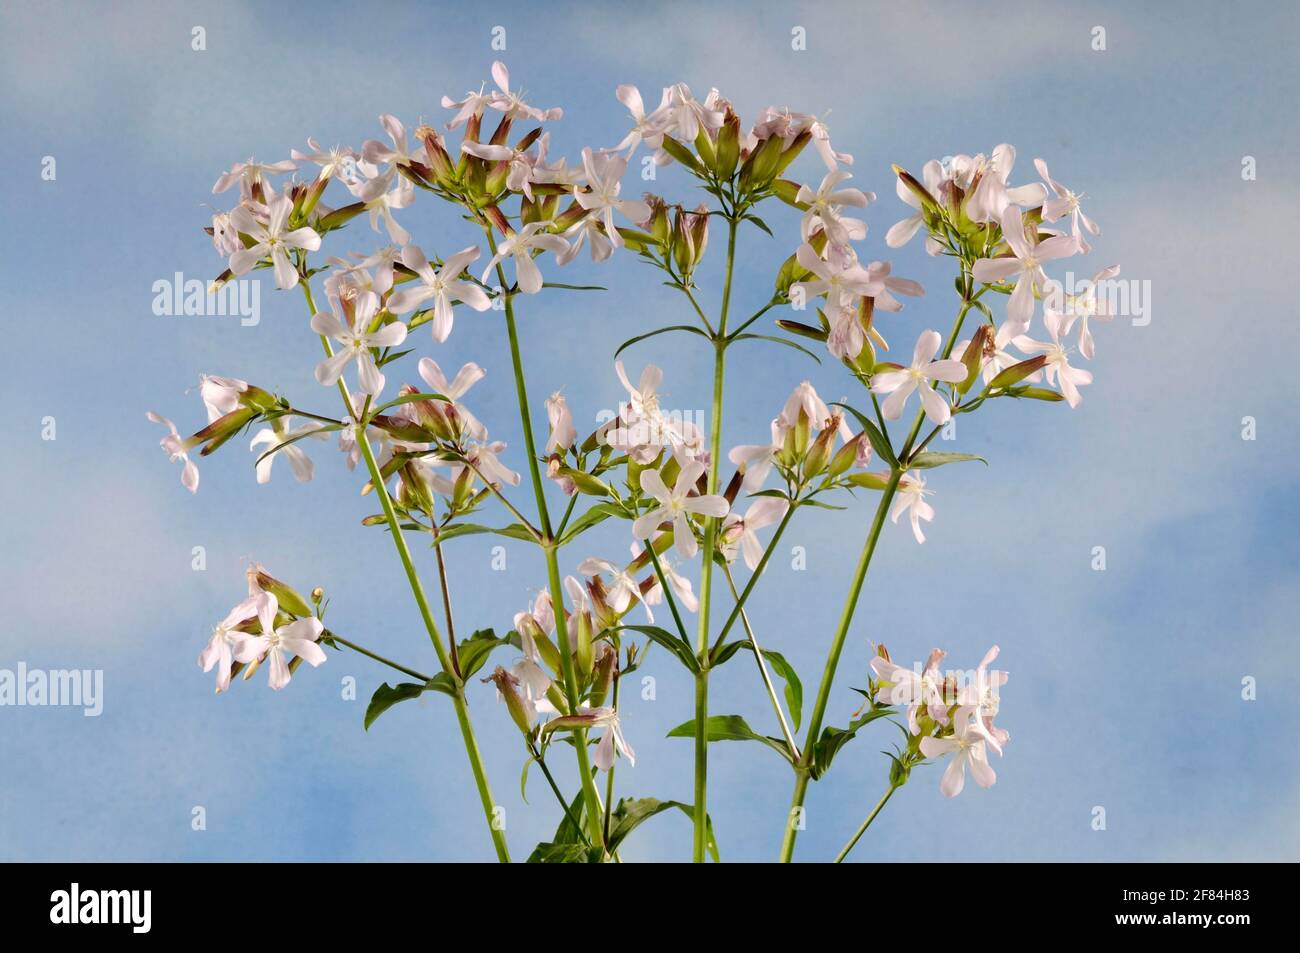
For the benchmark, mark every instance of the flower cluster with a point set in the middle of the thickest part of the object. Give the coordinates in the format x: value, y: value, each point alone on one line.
x: 431, y: 463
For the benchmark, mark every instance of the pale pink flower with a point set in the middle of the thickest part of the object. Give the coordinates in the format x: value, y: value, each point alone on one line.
x: 917, y: 690
x: 175, y: 450
x: 899, y: 384
x: 1057, y: 369
x: 520, y: 246
x: 968, y: 745
x: 741, y: 533
x: 442, y: 287
x: 227, y: 642
x: 825, y: 206
x: 276, y: 645
x: 911, y: 500
x: 676, y: 505
x: 355, y: 344
x: 271, y: 239
x: 563, y: 433
x: 1025, y: 262
x: 1066, y: 203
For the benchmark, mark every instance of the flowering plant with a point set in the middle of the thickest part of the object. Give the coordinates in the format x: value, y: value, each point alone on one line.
x: 433, y: 467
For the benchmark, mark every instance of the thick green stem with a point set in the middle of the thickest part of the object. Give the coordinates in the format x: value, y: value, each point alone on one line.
x: 591, y: 797
x: 417, y: 590
x: 701, y: 808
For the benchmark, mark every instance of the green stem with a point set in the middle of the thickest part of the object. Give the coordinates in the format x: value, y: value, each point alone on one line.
x: 417, y: 590
x: 844, y: 851
x: 762, y: 670
x: 591, y: 796
x: 754, y: 576
x: 335, y: 638
x: 803, y: 768
x: 701, y: 807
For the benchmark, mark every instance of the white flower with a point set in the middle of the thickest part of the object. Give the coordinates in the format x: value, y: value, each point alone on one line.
x: 604, y: 172
x: 1025, y: 262
x: 911, y: 497
x: 992, y: 196
x: 1057, y: 369
x: 839, y: 277
x: 442, y: 286
x: 1066, y: 203
x: 899, y: 384
x: 458, y: 417
x: 399, y: 153
x: 511, y: 103
x: 519, y: 246
x: 968, y: 746
x: 473, y: 104
x: 249, y: 174
x: 624, y: 590
x: 917, y: 690
x: 227, y: 642
x: 220, y: 394
x: 603, y: 757
x: 277, y: 435
x: 1082, y: 306
x: 484, y: 458
x: 175, y: 450
x: 677, y: 505
x: 355, y: 344
x: 646, y: 128
x: 824, y: 207
x: 297, y: 638
x: 380, y: 202
x: 742, y: 532
x: 681, y: 585
x: 563, y: 433
x: 271, y: 239
x: 901, y: 232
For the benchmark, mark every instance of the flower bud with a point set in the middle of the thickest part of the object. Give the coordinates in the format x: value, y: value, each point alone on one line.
x: 728, y: 149
x: 1018, y: 372
x: 603, y: 676
x: 847, y: 455
x: 974, y: 355
x: 584, y: 652
x: 259, y: 580
x: 658, y: 222
x: 508, y: 688
x: 819, y: 453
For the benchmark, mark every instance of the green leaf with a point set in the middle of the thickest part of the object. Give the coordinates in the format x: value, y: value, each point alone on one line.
x: 731, y: 728
x: 926, y: 461
x: 1035, y: 393
x: 649, y: 334
x: 775, y: 340
x: 629, y: 814
x: 793, y: 687
x: 876, y: 438
x: 597, y: 514
x: 560, y: 854
x: 324, y: 428
x: 758, y: 221
x: 556, y: 284
x: 513, y: 531
x: 386, y: 696
x: 684, y: 653
x: 473, y: 652
x: 833, y: 739
x: 803, y: 330
x: 407, y: 399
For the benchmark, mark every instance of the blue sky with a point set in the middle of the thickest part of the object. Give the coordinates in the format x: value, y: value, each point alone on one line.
x: 1125, y: 686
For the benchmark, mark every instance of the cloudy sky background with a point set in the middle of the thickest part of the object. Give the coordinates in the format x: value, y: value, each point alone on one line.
x: 1125, y: 690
